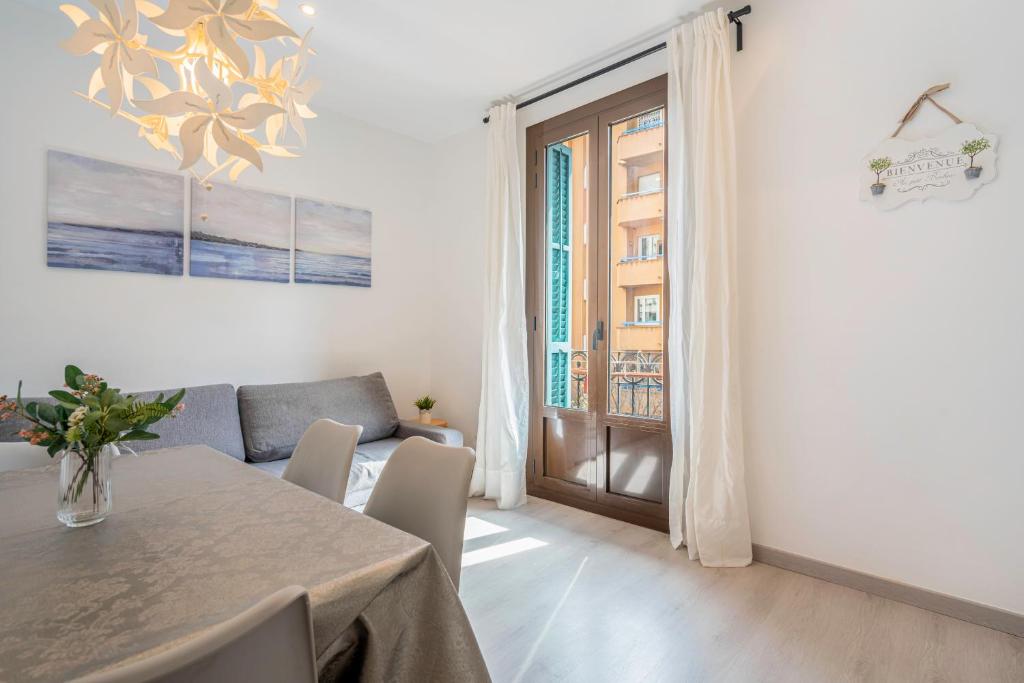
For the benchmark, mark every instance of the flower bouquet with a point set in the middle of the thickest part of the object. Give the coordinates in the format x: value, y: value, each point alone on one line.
x: 82, y: 429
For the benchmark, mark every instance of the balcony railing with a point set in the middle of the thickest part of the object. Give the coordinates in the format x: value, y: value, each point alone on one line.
x: 635, y: 386
x: 642, y: 257
x: 646, y: 122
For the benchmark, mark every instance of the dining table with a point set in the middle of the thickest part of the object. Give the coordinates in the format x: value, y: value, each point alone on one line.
x: 194, y: 538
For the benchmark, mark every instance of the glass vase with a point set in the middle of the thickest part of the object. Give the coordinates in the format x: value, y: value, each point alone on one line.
x: 84, y: 495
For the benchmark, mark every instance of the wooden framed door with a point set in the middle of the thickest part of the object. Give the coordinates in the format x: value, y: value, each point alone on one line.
x: 596, y: 304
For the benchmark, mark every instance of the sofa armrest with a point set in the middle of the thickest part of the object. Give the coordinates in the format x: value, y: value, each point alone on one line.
x: 442, y: 435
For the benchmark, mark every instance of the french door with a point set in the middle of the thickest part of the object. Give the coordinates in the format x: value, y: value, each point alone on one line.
x: 597, y: 305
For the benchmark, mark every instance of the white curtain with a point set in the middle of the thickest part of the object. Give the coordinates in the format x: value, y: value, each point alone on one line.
x: 707, y: 493
x: 504, y: 392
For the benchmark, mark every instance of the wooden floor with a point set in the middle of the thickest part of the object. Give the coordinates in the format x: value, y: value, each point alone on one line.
x: 557, y: 594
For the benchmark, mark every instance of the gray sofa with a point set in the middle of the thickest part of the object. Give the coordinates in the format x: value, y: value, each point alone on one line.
x: 261, y: 424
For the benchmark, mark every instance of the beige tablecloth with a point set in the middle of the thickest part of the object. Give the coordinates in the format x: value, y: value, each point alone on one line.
x: 195, y: 538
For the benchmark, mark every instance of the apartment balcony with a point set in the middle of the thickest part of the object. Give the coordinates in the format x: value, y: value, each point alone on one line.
x: 637, y: 209
x: 646, y: 336
x: 636, y: 271
x: 641, y: 146
x: 635, y: 383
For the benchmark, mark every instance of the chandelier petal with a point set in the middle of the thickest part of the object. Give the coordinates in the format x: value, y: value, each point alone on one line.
x: 235, y: 7
x: 113, y: 82
x: 192, y: 134
x: 181, y: 14
x: 259, y: 29
x: 235, y: 146
x: 108, y: 10
x: 295, y: 122
x: 75, y: 14
x: 216, y: 90
x: 274, y: 126
x: 252, y: 116
x: 90, y: 34
x: 136, y: 61
x: 130, y: 25
x: 225, y: 42
x: 175, y: 104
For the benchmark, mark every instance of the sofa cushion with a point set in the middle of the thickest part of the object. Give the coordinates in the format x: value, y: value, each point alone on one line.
x: 275, y: 416
x: 210, y: 418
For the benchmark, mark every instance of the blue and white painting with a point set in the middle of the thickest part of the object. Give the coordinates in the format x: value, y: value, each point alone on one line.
x: 107, y: 216
x: 332, y: 244
x: 240, y: 233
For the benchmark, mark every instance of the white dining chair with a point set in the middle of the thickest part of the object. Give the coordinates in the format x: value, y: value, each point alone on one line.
x: 268, y: 643
x: 322, y: 460
x: 422, y: 491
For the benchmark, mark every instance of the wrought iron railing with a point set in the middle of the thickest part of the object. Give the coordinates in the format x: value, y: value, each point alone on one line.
x: 578, y: 374
x: 635, y: 383
x: 646, y: 121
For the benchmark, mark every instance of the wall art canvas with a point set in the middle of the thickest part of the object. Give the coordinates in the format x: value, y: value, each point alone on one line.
x: 332, y: 244
x: 952, y: 165
x: 107, y: 216
x: 240, y: 233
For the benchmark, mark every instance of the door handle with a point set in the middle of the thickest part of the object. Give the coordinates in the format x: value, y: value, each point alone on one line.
x: 598, y: 335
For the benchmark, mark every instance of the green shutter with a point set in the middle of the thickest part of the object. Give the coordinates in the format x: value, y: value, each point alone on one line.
x: 559, y: 214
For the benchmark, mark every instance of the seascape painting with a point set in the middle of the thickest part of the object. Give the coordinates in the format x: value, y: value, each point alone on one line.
x: 332, y: 244
x: 240, y: 233
x: 107, y: 216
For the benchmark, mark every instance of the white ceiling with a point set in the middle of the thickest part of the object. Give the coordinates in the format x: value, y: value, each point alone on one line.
x: 430, y: 68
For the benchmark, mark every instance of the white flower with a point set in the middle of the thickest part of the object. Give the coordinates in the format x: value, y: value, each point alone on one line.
x: 77, y: 416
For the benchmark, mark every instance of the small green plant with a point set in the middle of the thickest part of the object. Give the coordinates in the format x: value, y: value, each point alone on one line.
x: 425, y: 402
x: 973, y: 148
x: 879, y: 166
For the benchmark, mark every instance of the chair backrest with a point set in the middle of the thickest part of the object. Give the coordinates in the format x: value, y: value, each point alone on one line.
x: 423, y: 491
x: 268, y: 643
x: 322, y: 459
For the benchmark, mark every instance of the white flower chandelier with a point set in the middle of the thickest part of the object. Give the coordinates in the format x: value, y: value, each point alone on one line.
x: 199, y: 122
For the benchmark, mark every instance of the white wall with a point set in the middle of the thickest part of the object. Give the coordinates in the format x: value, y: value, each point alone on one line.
x: 881, y: 351
x: 149, y: 331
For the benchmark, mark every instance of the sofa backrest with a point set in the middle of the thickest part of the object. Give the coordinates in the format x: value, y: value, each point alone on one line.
x: 210, y: 417
x: 274, y: 416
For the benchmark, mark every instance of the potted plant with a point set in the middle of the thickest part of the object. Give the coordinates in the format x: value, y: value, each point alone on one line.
x: 82, y: 429
x: 879, y: 166
x: 425, y: 404
x: 973, y: 148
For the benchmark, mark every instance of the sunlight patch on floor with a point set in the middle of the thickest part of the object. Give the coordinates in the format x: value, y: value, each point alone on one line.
x: 500, y: 550
x: 478, y: 528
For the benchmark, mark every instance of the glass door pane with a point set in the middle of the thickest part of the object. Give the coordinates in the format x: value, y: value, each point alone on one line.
x: 636, y: 266
x: 566, y: 210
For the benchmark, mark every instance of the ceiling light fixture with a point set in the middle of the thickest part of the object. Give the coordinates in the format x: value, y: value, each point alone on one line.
x: 224, y: 111
x: 307, y: 9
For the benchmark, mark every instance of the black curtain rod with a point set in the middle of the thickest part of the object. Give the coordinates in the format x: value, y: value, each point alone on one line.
x: 734, y: 18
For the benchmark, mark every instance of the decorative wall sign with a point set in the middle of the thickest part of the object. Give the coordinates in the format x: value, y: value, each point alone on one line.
x: 332, y: 244
x: 951, y: 165
x: 107, y: 216
x: 240, y: 233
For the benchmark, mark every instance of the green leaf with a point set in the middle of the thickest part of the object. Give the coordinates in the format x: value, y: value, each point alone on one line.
x: 174, y: 400
x: 72, y: 376
x: 139, y: 435
x: 108, y: 397
x: 47, y: 413
x: 54, y: 448
x: 117, y: 425
x: 66, y: 398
